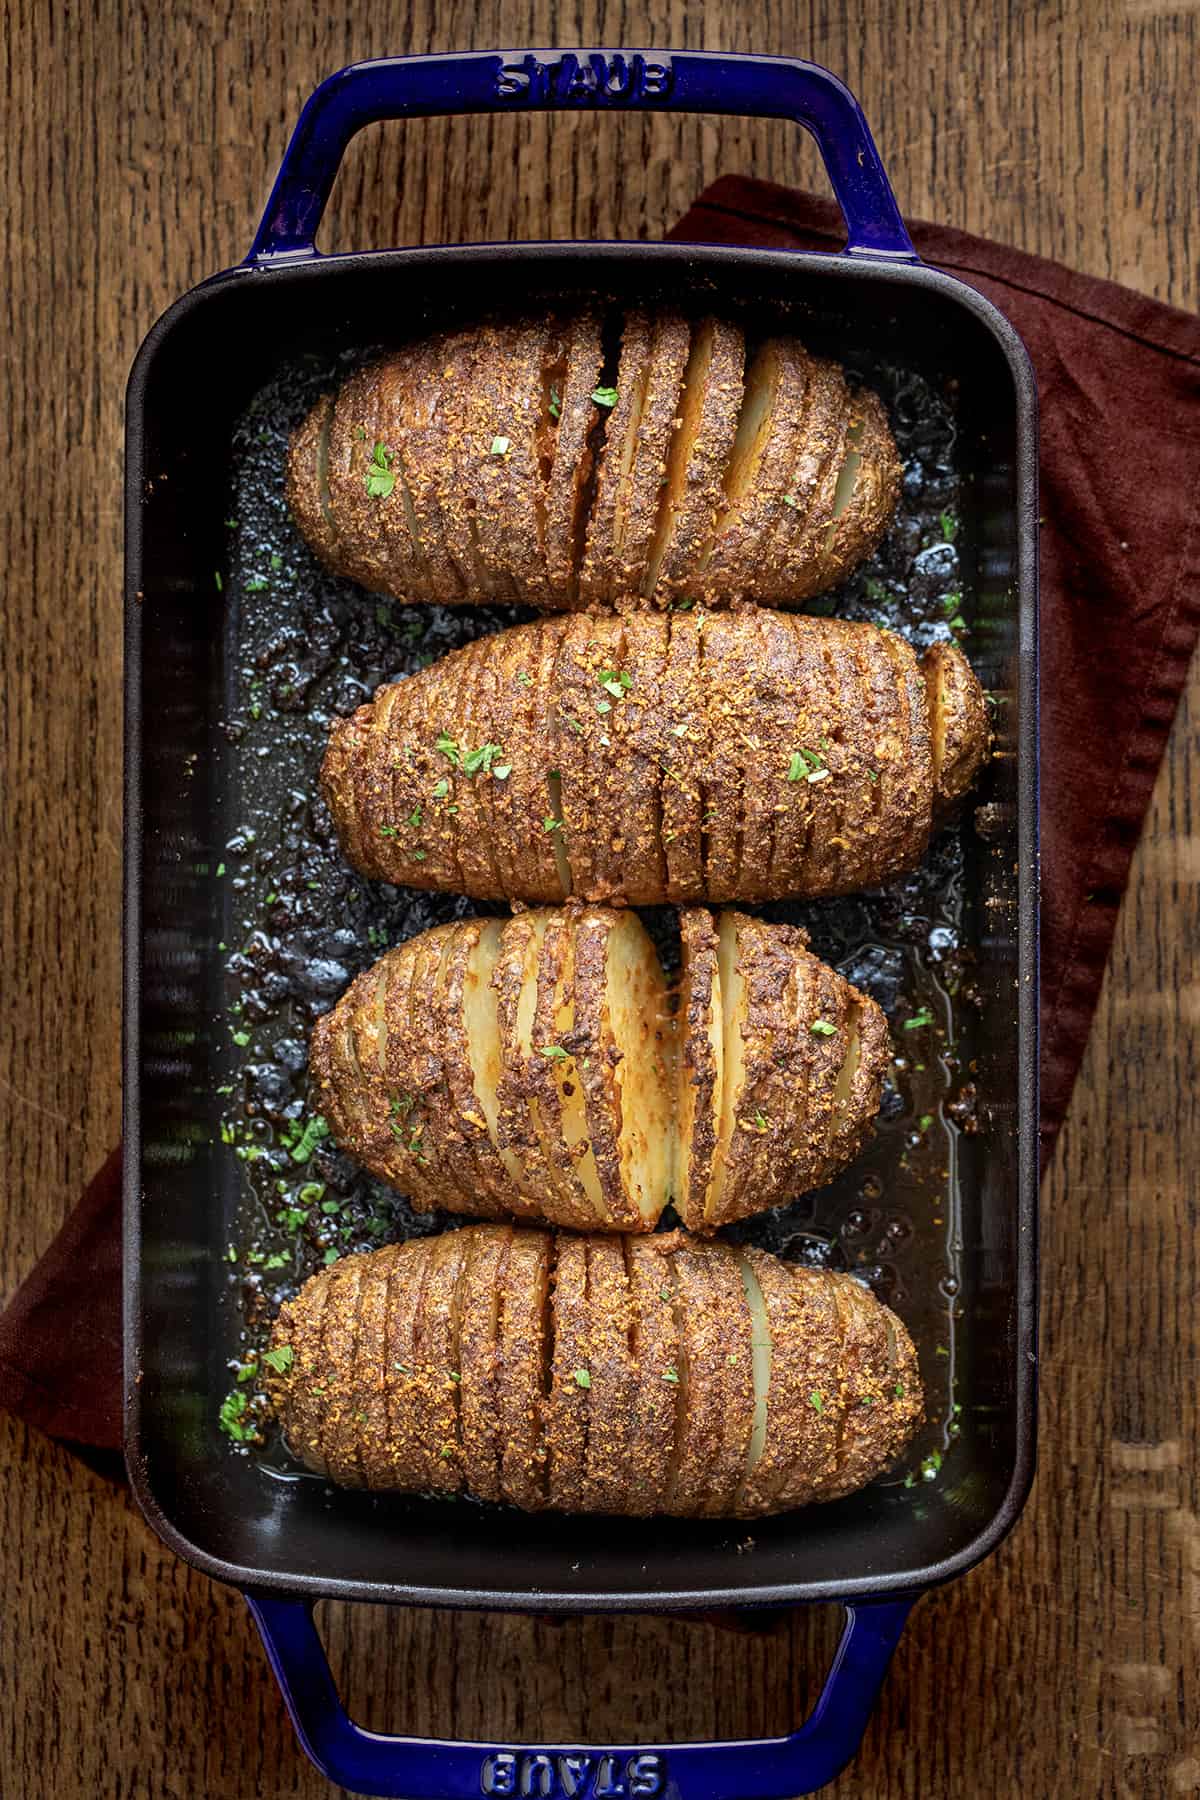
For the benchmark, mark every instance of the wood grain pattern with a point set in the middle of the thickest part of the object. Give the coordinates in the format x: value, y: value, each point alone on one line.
x: 140, y: 145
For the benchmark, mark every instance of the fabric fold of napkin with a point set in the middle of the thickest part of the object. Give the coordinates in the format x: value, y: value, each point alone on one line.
x: 1119, y: 383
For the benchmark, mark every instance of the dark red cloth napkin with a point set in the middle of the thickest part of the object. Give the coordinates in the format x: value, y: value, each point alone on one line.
x: 1119, y: 381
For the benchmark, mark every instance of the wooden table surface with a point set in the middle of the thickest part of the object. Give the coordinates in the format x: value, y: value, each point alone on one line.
x: 140, y: 143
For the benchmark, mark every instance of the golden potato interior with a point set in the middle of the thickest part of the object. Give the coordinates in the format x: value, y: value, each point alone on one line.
x: 735, y: 1000
x: 570, y: 1092
x: 847, y: 476
x: 700, y: 1069
x: 760, y: 1347
x: 640, y: 1023
x: 483, y: 1034
x: 691, y: 414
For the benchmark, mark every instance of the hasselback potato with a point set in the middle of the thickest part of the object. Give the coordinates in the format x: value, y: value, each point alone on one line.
x: 583, y: 458
x: 682, y: 756
x: 593, y: 1374
x: 534, y: 1067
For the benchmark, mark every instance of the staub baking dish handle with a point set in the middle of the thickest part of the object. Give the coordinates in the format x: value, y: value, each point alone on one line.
x: 365, y: 1762
x: 404, y: 87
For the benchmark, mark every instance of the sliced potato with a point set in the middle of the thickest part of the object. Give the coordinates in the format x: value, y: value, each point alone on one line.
x: 640, y: 746
x: 554, y: 1083
x: 466, y: 1021
x: 599, y: 570
x: 693, y: 496
x: 765, y: 449
x: 572, y: 378
x: 654, y: 1343
x: 684, y: 709
x: 958, y: 722
x: 522, y: 1344
x: 643, y: 496
x: 519, y: 1129
x: 481, y: 1284
x: 700, y: 1068
x: 622, y: 1376
x: 565, y: 1409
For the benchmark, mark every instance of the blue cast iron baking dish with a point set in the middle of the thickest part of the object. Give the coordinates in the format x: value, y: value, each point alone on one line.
x: 287, y: 1544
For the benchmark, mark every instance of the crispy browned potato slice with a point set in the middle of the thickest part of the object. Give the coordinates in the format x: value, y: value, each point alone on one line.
x: 614, y: 1392
x: 307, y: 481
x: 641, y: 744
x: 795, y: 1344
x: 439, y: 1170
x: 734, y: 1378
x: 577, y: 747
x: 654, y: 1341
x: 572, y: 379
x: 518, y: 1125
x: 700, y: 1067
x: 501, y: 454
x: 623, y: 1040
x: 470, y: 1059
x: 641, y: 500
x: 554, y: 1080
x: 482, y: 1284
x: 338, y: 1440
x: 445, y: 366
x: 764, y: 454
x: 369, y: 1398
x: 881, y: 1395
x: 687, y: 726
x: 469, y: 803
x: 565, y: 1410
x: 435, y: 1392
x: 699, y: 1372
x: 693, y: 497
x: 599, y: 577
x: 767, y: 722
x: 536, y: 855
x: 504, y: 689
x: 795, y: 532
x: 725, y: 675
x: 298, y: 1392
x: 412, y: 406
x: 958, y: 722
x: 804, y: 1059
x: 521, y: 1380
x: 865, y: 496
x: 402, y: 1464
x: 374, y: 543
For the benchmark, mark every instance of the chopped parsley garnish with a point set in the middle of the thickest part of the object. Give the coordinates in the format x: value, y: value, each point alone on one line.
x: 760, y: 1121
x: 671, y: 1374
x: 925, y: 1121
x: 501, y: 771
x: 663, y: 1294
x: 554, y: 1052
x: 555, y: 403
x: 331, y: 1207
x: 817, y: 1400
x: 315, y: 1130
x: 414, y: 817
x: 232, y: 1418
x: 258, y: 585
x: 448, y: 748
x: 551, y: 824
x: 380, y: 479
x: 525, y: 678
x: 581, y: 1378
x: 219, y: 582
x: 240, y: 1038
x: 441, y: 788
x: 615, y: 682
x: 949, y: 527
x: 603, y: 706
x: 311, y: 1192
x: 679, y: 731
x: 791, y: 500
x: 331, y: 1256
x: 474, y: 760
x: 924, y: 1017
x: 220, y: 868
x: 280, y: 1359
x: 498, y: 447
x: 899, y: 1390
x: 387, y: 831
x: 805, y: 765
x: 604, y: 396
x: 823, y: 1028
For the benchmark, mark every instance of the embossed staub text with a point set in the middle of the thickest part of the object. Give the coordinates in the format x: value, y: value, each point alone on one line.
x: 532, y: 1775
x: 594, y: 78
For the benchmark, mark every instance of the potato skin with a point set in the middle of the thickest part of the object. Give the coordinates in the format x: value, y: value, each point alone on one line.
x: 595, y: 1423
x: 809, y: 738
x: 473, y: 466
